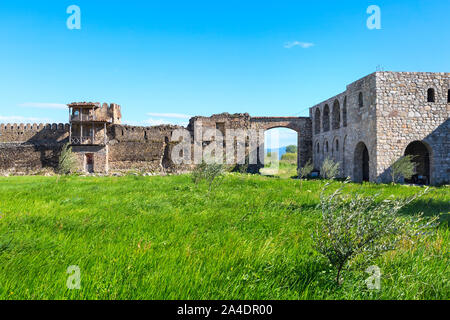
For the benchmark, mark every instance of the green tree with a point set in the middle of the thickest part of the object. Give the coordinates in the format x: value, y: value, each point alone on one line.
x: 291, y: 149
x: 67, y: 162
x: 403, y: 167
x: 329, y: 169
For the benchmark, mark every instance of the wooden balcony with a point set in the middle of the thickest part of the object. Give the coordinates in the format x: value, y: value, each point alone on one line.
x: 88, y: 118
x: 88, y: 141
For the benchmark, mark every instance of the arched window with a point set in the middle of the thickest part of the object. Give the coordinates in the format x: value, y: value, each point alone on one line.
x: 344, y: 113
x: 336, y: 123
x: 360, y: 100
x: 326, y: 147
x: 337, y: 145
x: 326, y: 118
x: 318, y: 147
x: 317, y: 121
x: 430, y: 95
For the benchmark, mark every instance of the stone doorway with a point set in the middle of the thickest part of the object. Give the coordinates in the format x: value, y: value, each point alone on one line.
x: 361, y: 168
x: 89, y: 160
x: 421, y: 159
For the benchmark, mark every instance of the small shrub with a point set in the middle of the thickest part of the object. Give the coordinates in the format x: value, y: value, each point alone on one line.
x: 329, y: 169
x: 362, y: 227
x: 212, y: 173
x: 305, y: 171
x: 404, y: 168
x: 67, y: 162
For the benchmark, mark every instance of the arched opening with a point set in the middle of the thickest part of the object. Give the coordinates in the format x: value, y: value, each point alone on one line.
x: 360, y: 100
x: 430, y: 95
x: 421, y: 159
x: 281, y: 152
x: 344, y: 165
x: 326, y: 118
x: 317, y: 155
x: 336, y: 123
x: 344, y: 113
x: 361, y: 163
x: 335, y: 149
x: 448, y: 96
x: 317, y: 121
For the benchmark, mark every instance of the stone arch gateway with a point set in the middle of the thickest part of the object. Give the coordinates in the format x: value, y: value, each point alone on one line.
x: 303, y: 127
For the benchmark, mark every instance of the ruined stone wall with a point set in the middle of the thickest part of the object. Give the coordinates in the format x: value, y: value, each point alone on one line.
x: 141, y: 148
x: 404, y: 116
x: 222, y: 122
x: 27, y: 149
x: 203, y: 138
x: 347, y: 123
x: 33, y: 133
x: 94, y: 110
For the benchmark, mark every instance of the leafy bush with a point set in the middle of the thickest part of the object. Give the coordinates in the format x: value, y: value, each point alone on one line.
x: 329, y: 169
x: 212, y: 173
x: 403, y: 167
x: 67, y: 162
x: 364, y: 227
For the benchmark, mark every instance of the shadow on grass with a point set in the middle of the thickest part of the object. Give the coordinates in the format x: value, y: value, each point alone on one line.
x: 429, y: 208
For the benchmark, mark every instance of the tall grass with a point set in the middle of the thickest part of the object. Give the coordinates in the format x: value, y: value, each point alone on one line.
x: 163, y: 238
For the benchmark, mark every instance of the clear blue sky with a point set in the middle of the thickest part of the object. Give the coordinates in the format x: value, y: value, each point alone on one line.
x: 204, y: 57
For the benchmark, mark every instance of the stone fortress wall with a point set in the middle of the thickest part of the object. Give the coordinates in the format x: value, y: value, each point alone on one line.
x: 375, y: 121
x: 29, y: 148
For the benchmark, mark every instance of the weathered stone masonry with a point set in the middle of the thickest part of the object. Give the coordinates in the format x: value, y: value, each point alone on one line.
x: 382, y: 117
x: 378, y: 119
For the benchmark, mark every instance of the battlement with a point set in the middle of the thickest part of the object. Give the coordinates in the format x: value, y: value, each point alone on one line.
x: 36, y: 133
x: 14, y: 127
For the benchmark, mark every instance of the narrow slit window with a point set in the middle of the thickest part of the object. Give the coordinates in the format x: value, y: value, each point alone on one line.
x: 430, y: 95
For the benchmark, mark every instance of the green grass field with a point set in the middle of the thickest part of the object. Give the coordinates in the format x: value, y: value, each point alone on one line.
x: 163, y: 238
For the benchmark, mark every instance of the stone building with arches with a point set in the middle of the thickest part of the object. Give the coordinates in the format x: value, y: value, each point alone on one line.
x: 382, y: 117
